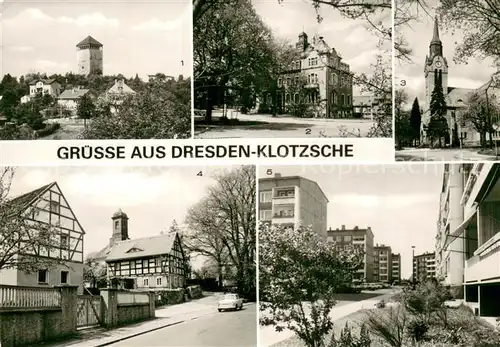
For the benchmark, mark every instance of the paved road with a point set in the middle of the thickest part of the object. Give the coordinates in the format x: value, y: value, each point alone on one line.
x: 426, y: 154
x: 265, y: 126
x: 237, y: 329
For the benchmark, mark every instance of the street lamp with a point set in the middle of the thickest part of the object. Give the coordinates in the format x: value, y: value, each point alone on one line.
x: 413, y: 264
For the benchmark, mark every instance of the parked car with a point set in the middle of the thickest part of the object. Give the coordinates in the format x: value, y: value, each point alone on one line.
x: 230, y: 302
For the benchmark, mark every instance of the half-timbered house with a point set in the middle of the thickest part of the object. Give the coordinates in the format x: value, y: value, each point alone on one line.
x: 48, y: 206
x: 151, y: 263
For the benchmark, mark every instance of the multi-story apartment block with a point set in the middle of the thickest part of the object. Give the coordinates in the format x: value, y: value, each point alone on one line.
x: 478, y: 236
x: 293, y: 201
x: 320, y: 76
x: 396, y: 267
x: 382, y: 263
x: 450, y: 251
x: 47, y: 206
x: 356, y: 236
x: 424, y: 266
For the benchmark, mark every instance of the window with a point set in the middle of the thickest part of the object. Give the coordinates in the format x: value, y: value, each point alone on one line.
x: 64, y: 241
x: 117, y: 224
x: 158, y: 281
x: 339, y: 238
x: 64, y: 277
x: 55, y: 207
x: 347, y: 238
x: 266, y: 196
x: 43, y: 276
x: 146, y: 282
x: 265, y: 214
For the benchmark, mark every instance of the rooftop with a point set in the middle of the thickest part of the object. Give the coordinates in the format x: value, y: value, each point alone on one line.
x: 144, y: 247
x: 89, y: 40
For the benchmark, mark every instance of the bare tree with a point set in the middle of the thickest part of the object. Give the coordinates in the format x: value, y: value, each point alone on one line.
x: 24, y: 241
x: 227, y: 217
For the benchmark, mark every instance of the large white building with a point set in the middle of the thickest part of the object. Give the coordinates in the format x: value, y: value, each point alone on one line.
x: 472, y: 244
x: 293, y: 201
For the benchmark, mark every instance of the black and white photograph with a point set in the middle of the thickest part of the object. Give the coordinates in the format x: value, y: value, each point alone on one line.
x: 95, y: 70
x: 292, y: 69
x: 379, y: 255
x: 128, y: 256
x: 446, y: 73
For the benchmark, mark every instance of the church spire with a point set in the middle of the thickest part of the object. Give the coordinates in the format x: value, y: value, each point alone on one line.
x: 435, y: 37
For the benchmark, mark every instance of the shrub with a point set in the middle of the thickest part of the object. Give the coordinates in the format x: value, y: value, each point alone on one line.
x: 48, y: 130
x: 417, y: 330
x: 389, y: 324
x: 348, y: 339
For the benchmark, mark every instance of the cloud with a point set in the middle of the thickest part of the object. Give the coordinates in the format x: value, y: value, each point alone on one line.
x: 155, y: 24
x: 386, y: 201
x: 94, y: 19
x: 50, y: 66
x: 36, y: 16
x: 21, y: 48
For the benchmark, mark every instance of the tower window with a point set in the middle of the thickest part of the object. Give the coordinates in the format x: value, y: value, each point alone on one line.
x: 117, y: 224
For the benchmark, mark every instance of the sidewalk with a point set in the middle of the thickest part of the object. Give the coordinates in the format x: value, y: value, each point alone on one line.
x: 168, y: 316
x: 268, y: 336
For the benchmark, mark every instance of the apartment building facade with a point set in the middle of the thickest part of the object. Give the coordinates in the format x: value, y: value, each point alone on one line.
x: 396, y: 267
x: 424, y: 266
x: 479, y: 236
x: 292, y: 201
x: 356, y: 236
x: 449, y: 251
x: 382, y: 263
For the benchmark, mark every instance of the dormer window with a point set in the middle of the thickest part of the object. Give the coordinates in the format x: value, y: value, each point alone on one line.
x: 134, y: 250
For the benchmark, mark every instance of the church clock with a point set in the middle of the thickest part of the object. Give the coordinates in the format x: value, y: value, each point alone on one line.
x: 438, y: 64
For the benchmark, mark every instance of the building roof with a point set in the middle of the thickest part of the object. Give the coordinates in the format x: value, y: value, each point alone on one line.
x: 23, y: 201
x: 119, y: 214
x: 89, y: 40
x: 435, y: 36
x: 45, y: 81
x: 457, y: 97
x: 120, y: 87
x: 144, y: 247
x: 72, y: 94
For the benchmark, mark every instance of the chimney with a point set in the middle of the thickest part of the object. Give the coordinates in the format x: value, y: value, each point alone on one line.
x: 343, y: 227
x: 356, y: 227
x: 277, y: 175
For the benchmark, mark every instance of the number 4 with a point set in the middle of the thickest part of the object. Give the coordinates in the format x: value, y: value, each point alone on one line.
x: 199, y: 173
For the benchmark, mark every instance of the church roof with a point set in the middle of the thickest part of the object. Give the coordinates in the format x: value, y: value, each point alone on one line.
x: 119, y: 214
x: 435, y: 36
x: 458, y: 96
x: 89, y: 40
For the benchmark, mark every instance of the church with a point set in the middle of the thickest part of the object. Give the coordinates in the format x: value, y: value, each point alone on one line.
x: 436, y: 67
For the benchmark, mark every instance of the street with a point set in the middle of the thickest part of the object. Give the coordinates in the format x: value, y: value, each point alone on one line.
x: 441, y: 154
x: 238, y: 328
x: 265, y: 126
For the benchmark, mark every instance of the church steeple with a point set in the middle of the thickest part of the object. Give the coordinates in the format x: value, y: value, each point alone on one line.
x: 436, y: 46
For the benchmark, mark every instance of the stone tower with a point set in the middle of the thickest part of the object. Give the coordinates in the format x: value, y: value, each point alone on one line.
x: 120, y: 227
x: 89, y: 56
x: 435, y: 66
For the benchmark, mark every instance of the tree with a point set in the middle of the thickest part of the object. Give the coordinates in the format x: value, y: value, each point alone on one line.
x: 95, y: 273
x: 161, y: 111
x: 299, y: 275
x: 23, y: 240
x: 479, y: 23
x: 438, y: 125
x: 403, y: 131
x: 415, y: 121
x: 86, y: 108
x: 230, y: 45
x: 223, y: 225
x: 478, y: 113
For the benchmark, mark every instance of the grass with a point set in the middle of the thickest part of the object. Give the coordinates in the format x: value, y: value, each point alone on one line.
x: 464, y: 329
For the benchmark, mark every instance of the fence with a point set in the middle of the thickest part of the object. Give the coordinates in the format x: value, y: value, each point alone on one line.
x: 132, y: 298
x: 12, y: 297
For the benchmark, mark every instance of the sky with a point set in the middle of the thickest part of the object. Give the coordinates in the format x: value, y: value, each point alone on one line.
x: 419, y: 35
x: 400, y: 202
x: 350, y: 38
x: 152, y: 197
x: 138, y: 37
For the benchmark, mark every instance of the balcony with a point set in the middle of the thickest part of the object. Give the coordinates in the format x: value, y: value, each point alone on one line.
x: 312, y: 86
x: 485, y: 263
